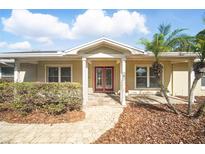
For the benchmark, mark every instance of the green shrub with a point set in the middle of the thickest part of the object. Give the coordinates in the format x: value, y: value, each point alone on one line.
x: 55, y: 109
x: 6, y: 92
x: 28, y: 96
x: 22, y: 108
x: 4, y: 80
x: 4, y: 106
x: 75, y: 105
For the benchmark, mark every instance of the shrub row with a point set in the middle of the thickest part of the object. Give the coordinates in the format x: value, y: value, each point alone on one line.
x: 54, y: 98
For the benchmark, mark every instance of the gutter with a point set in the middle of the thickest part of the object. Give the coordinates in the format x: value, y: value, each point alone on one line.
x: 28, y: 55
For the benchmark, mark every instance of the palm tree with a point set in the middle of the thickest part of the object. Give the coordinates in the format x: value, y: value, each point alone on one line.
x: 197, y: 45
x: 164, y: 41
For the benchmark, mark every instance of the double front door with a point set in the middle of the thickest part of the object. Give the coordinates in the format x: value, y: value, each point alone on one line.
x: 104, y: 79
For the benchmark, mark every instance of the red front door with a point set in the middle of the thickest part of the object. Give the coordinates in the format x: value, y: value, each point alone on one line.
x: 104, y: 79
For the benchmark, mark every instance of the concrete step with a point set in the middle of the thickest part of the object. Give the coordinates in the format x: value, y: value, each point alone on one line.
x: 102, y: 99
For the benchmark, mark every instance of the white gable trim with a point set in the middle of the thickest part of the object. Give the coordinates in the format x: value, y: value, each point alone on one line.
x: 103, y: 55
x: 132, y: 50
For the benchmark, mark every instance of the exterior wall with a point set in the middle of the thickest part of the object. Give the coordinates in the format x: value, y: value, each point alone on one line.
x: 28, y: 72
x: 176, y: 82
x: 130, y: 75
x: 91, y: 73
x: 75, y: 64
x: 180, y: 79
x: 199, y: 90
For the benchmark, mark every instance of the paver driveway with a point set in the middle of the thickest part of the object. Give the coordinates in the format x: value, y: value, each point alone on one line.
x: 98, y: 120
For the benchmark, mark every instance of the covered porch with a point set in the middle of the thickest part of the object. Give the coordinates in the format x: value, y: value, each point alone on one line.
x: 104, y: 67
x: 100, y: 75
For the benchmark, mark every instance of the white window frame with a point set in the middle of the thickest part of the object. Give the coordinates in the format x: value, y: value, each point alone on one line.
x: 7, y: 76
x: 202, y: 87
x: 148, y: 76
x: 59, y: 71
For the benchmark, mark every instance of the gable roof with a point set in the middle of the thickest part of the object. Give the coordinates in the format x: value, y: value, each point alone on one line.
x: 74, y: 52
x: 104, y: 41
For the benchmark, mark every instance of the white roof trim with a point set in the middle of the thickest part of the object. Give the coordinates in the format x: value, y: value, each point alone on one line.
x: 104, y: 40
x: 6, y: 60
x: 174, y: 54
x: 25, y: 55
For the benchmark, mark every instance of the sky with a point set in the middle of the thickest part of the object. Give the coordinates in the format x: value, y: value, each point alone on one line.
x: 29, y: 30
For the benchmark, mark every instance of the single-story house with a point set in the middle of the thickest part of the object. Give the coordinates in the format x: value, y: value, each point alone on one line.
x: 105, y: 65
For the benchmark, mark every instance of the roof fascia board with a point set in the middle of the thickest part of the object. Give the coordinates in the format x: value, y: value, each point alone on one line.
x: 25, y: 55
x: 102, y: 40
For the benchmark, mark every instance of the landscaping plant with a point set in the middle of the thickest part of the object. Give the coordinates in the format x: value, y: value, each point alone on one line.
x: 52, y: 98
x: 197, y: 45
x: 164, y: 41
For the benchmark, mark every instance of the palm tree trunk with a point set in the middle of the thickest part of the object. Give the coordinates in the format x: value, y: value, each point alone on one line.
x: 191, y: 95
x: 167, y: 98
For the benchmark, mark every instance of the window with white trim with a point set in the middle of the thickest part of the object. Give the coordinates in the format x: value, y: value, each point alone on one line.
x: 141, y: 77
x: 153, y: 80
x: 203, y: 81
x: 7, y: 73
x: 59, y: 74
x: 145, y: 77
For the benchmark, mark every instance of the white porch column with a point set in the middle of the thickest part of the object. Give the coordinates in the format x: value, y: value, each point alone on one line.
x: 0, y: 72
x: 85, y: 80
x: 123, y: 81
x: 16, y: 71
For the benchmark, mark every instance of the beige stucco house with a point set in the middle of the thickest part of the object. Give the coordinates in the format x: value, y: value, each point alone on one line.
x: 105, y: 65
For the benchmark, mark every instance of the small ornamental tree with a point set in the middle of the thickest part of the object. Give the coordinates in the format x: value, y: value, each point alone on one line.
x: 197, y: 45
x: 164, y: 41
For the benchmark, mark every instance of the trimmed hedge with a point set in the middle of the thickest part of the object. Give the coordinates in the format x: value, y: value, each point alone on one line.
x: 53, y: 98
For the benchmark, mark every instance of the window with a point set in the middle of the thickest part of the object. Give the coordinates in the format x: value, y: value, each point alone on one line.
x: 203, y: 81
x: 153, y: 81
x: 7, y: 73
x: 145, y: 77
x: 59, y: 74
x: 53, y: 74
x: 141, y: 77
x: 65, y: 74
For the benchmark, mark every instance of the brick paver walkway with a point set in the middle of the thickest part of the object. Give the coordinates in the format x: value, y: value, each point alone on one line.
x: 98, y: 120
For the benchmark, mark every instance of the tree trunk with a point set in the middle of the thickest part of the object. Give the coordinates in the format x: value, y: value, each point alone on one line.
x: 200, y: 110
x: 191, y: 95
x: 167, y: 98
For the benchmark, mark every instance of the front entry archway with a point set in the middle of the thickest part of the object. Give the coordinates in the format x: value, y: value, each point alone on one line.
x: 104, y: 78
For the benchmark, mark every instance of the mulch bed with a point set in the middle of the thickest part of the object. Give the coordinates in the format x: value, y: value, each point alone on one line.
x: 146, y: 123
x: 40, y: 117
x: 199, y: 99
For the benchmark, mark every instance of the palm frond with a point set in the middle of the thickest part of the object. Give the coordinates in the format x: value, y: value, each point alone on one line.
x: 203, y: 18
x: 146, y: 43
x: 175, y: 33
x: 180, y: 42
x: 166, y: 40
x: 201, y: 35
x: 164, y: 29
